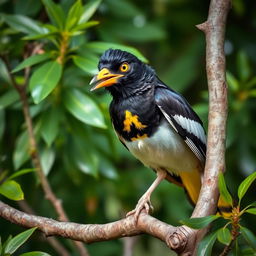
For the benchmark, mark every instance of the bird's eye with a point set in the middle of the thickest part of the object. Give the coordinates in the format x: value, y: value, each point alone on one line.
x: 124, y: 67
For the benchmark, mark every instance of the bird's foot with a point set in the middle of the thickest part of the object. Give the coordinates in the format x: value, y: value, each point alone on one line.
x: 143, y: 204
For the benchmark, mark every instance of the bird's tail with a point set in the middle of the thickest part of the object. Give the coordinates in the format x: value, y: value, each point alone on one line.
x: 192, y: 184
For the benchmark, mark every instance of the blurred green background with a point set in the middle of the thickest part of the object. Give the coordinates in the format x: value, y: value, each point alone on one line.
x: 89, y: 169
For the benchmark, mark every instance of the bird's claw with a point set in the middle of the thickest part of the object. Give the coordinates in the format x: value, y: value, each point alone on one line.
x: 143, y: 204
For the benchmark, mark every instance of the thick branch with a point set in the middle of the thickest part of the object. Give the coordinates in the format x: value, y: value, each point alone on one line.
x: 214, y: 29
x: 89, y: 233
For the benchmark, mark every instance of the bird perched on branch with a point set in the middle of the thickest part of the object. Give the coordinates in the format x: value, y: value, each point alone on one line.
x: 156, y: 124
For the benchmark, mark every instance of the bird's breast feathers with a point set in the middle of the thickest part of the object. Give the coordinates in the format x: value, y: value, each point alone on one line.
x: 164, y: 149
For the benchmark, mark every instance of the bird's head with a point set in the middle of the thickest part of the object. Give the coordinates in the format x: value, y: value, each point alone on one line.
x: 121, y: 73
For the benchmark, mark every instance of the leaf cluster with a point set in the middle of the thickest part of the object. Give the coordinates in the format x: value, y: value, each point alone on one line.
x: 230, y: 228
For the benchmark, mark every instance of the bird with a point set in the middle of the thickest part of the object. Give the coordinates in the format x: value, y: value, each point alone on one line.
x: 155, y: 123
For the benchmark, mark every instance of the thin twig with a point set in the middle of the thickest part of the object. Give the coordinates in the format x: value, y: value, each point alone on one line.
x: 128, y: 245
x: 234, y: 231
x: 49, y: 194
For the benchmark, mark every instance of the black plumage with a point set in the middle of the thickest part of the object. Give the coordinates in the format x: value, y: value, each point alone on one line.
x: 142, y: 92
x: 154, y: 122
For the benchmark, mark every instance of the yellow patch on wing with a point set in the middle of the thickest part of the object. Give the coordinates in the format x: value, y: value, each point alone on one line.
x: 144, y: 136
x: 131, y: 119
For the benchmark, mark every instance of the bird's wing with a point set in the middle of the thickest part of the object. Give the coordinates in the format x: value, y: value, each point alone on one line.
x: 183, y: 119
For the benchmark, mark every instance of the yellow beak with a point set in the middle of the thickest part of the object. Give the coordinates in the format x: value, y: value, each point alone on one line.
x: 104, y: 79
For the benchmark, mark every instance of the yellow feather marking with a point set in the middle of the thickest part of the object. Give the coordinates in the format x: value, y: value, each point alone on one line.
x: 144, y: 136
x: 130, y: 120
x: 224, y: 208
x: 192, y: 184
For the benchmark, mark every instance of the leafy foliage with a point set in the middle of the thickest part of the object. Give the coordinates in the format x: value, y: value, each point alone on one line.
x: 225, y: 235
x: 12, y: 244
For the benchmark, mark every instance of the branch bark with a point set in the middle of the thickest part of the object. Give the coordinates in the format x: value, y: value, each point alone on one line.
x: 214, y: 29
x: 181, y: 239
x: 89, y: 233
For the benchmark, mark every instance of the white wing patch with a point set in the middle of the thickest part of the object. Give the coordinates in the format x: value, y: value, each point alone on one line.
x: 168, y: 118
x: 191, y: 126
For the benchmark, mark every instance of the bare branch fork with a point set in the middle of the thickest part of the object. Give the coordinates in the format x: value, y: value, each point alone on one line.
x: 181, y: 239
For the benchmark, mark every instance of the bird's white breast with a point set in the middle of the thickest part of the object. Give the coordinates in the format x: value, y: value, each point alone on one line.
x: 165, y: 149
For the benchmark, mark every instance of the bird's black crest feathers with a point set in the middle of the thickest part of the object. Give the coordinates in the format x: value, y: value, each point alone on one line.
x: 118, y: 56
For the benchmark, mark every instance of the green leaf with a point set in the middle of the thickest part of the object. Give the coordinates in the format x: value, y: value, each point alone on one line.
x: 251, y: 211
x: 50, y: 125
x: 2, y: 124
x: 147, y: 31
x: 83, y: 159
x: 4, y: 74
x: 44, y: 80
x: 36, y: 37
x: 252, y: 93
x: 224, y: 193
x: 83, y: 108
x: 132, y: 10
x: 232, y: 82
x: 86, y: 64
x: 35, y: 253
x: 32, y: 60
x: 107, y: 168
x: 24, y: 24
x: 87, y: 162
x: 198, y: 223
x: 88, y: 10
x: 21, y: 152
x: 47, y: 159
x: 28, y: 7
x: 244, y: 186
x: 249, y: 237
x: 20, y: 173
x: 55, y: 13
x: 5, y: 243
x: 100, y: 47
x: 224, y: 235
x: 85, y: 25
x: 74, y: 14
x: 18, y: 240
x: 251, y: 83
x: 12, y: 190
x: 205, y: 246
x: 252, y: 204
x: 8, y: 98
x: 243, y: 66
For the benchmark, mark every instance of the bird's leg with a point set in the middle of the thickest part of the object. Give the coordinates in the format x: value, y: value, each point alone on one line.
x: 144, y: 201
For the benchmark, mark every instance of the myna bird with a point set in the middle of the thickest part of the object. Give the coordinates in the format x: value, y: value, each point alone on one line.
x: 155, y: 123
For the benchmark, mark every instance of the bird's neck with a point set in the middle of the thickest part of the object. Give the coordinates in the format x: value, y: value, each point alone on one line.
x: 142, y: 86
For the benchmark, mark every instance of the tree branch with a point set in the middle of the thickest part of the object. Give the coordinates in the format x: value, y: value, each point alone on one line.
x: 214, y: 29
x: 89, y: 233
x: 49, y: 194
